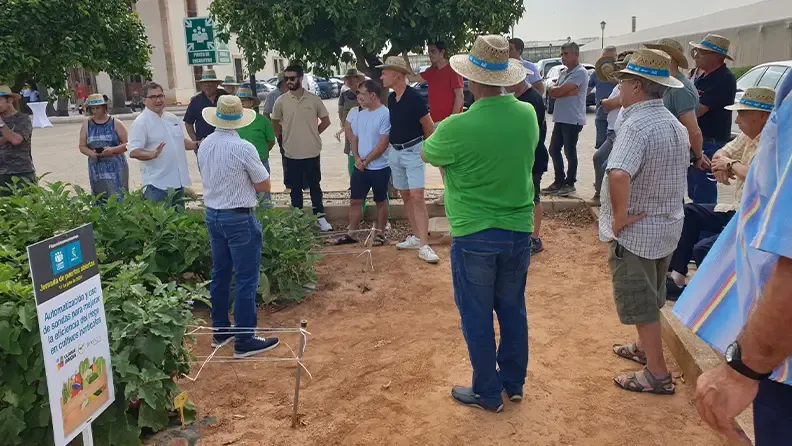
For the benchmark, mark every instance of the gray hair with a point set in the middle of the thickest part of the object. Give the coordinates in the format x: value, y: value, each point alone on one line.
x: 151, y: 86
x: 571, y: 46
x: 653, y: 90
x: 609, y: 49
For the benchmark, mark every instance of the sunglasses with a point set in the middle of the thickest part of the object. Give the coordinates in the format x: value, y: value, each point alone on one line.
x: 291, y: 78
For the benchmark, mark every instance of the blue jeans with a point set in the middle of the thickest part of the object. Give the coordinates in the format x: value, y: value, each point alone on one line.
x: 700, y: 187
x: 265, y: 198
x: 602, y: 132
x: 155, y: 194
x: 772, y: 411
x: 489, y: 271
x: 236, y: 242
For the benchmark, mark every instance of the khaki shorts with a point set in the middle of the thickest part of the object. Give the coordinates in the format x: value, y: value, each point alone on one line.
x: 639, y: 285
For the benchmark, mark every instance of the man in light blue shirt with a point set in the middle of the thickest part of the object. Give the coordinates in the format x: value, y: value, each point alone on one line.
x: 739, y: 299
x: 534, y: 79
x: 603, y: 91
x: 569, y: 118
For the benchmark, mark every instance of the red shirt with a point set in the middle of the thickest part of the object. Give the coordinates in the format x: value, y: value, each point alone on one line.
x: 442, y: 83
x: 80, y: 92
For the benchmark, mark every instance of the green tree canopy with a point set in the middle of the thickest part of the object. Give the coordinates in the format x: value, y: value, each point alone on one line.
x: 321, y: 31
x: 40, y: 40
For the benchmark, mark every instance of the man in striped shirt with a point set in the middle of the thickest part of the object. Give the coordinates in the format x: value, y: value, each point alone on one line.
x: 232, y: 175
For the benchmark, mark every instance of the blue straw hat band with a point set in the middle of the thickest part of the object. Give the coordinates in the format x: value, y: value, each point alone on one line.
x: 90, y: 103
x: 649, y: 71
x: 492, y: 66
x: 714, y: 47
x: 3, y: 93
x: 750, y: 103
x: 228, y: 117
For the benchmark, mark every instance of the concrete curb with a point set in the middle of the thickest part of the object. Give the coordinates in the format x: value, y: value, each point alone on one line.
x: 695, y: 357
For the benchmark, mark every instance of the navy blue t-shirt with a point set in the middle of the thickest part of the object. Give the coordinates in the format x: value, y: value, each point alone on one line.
x: 604, y: 90
x: 541, y: 157
x: 405, y: 116
x: 716, y: 90
x: 194, y: 115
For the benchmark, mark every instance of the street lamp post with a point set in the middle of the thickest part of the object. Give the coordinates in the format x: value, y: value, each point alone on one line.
x: 602, y: 39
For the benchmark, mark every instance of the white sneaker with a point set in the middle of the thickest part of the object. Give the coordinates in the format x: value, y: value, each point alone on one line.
x: 426, y: 253
x: 440, y: 201
x: 324, y: 226
x: 411, y: 242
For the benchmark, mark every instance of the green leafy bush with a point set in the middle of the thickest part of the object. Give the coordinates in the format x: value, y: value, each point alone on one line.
x: 152, y: 260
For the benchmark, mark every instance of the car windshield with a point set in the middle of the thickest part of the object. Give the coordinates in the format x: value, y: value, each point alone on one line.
x: 555, y: 71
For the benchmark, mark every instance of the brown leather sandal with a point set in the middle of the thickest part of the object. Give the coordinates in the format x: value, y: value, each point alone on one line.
x: 645, y: 382
x: 631, y: 352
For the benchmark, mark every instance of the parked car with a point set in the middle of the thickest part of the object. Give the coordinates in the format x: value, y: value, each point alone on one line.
x: 552, y: 78
x: 308, y: 83
x: 327, y: 88
x: 545, y: 65
x: 769, y: 75
x: 423, y: 90
x: 262, y: 89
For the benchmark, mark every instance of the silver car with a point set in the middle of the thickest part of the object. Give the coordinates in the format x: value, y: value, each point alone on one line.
x: 769, y: 75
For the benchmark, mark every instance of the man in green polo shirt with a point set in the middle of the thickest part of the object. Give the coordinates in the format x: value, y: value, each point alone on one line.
x: 261, y: 134
x: 488, y: 156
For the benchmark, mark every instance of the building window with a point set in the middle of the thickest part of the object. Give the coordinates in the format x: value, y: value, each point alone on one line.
x: 238, y: 70
x: 191, y: 7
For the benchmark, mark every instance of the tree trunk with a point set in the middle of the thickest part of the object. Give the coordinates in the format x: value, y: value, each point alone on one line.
x: 45, y: 97
x: 119, y: 98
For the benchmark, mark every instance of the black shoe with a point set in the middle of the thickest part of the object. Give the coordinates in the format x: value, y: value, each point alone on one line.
x: 254, y: 346
x: 220, y: 339
x: 566, y: 190
x: 465, y: 396
x: 553, y: 188
x: 673, y: 291
x: 515, y: 397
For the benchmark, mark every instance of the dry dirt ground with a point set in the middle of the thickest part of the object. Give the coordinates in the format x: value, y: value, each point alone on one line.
x: 383, y: 363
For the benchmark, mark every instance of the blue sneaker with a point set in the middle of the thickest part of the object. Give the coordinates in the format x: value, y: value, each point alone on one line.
x: 466, y: 396
x: 254, y: 346
x: 220, y: 339
x: 515, y: 397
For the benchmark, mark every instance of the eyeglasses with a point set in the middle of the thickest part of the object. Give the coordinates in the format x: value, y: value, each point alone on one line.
x: 291, y: 78
x: 156, y: 97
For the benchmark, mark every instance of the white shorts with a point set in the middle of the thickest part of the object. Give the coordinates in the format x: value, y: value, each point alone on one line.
x: 407, y: 168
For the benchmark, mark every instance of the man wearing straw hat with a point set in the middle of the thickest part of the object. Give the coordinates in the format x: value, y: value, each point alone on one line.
x: 716, y: 87
x: 259, y: 133
x: 232, y: 174
x: 411, y: 124
x: 230, y: 85
x: 612, y: 106
x: 197, y: 127
x: 604, y: 87
x: 347, y: 100
x: 641, y: 215
x: 488, y: 156
x: 16, y: 131
x: 729, y: 165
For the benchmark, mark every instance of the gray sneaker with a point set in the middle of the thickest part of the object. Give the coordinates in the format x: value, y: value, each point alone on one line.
x: 566, y: 190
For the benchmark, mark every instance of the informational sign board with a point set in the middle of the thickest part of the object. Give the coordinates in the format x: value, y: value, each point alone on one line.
x: 202, y: 47
x: 73, y: 329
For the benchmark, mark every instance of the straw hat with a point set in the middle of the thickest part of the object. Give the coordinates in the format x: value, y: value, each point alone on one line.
x: 488, y: 63
x: 652, y: 65
x: 209, y: 76
x: 622, y: 63
x: 673, y: 48
x: 94, y: 100
x: 247, y: 93
x: 229, y: 114
x: 396, y: 63
x: 230, y: 81
x: 5, y: 90
x: 604, y: 67
x: 353, y: 72
x: 755, y: 98
x: 715, y: 43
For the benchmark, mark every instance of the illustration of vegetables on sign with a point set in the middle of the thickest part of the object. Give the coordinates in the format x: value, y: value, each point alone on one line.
x: 83, y: 393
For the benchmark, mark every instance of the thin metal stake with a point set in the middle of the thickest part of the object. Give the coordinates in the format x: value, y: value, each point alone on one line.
x: 303, y: 325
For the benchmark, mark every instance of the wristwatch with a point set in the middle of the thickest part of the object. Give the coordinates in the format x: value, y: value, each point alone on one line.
x: 730, y: 165
x: 734, y: 359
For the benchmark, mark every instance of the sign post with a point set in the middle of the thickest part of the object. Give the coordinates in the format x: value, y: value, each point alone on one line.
x: 202, y: 46
x: 73, y: 329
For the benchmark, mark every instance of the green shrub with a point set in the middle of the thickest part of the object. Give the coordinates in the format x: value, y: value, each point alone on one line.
x: 739, y: 71
x: 152, y: 260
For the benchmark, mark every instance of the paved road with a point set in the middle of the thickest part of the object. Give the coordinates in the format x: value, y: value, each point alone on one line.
x: 55, y: 152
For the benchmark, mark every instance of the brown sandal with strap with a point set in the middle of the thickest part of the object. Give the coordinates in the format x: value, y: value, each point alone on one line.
x: 645, y: 382
x: 631, y: 352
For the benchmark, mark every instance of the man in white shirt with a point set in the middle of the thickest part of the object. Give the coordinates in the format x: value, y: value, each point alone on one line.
x: 370, y: 141
x: 516, y: 48
x: 232, y: 174
x: 157, y: 140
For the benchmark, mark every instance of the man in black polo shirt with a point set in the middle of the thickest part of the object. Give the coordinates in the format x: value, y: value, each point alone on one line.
x: 410, y: 125
x: 716, y: 88
x: 197, y: 127
x: 526, y: 93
